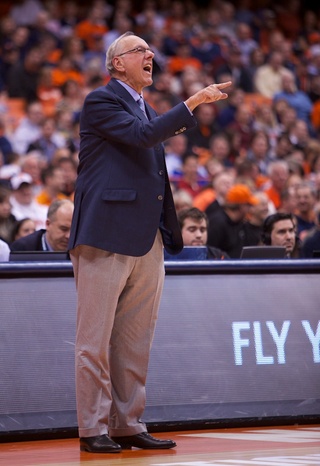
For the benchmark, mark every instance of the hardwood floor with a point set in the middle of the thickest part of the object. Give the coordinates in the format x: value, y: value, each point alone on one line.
x: 263, y: 446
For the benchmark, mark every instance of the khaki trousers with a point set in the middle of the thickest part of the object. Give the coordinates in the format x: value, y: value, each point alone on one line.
x: 118, y: 301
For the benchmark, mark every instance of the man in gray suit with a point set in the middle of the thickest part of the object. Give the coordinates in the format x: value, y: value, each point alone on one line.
x: 124, y: 215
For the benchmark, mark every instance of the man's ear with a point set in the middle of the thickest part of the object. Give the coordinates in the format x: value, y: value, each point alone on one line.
x: 118, y: 64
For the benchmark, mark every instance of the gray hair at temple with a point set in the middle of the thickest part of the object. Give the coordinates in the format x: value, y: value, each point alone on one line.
x: 113, y: 50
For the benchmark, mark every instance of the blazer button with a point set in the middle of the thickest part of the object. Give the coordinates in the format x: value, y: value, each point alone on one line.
x: 160, y: 198
x: 161, y: 172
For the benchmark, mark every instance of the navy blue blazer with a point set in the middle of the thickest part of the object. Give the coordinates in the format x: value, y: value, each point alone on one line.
x: 32, y: 242
x: 123, y: 193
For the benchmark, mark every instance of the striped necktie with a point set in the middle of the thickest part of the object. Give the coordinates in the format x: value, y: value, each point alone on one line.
x: 142, y: 106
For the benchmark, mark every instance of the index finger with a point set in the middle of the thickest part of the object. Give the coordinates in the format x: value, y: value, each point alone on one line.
x: 223, y: 85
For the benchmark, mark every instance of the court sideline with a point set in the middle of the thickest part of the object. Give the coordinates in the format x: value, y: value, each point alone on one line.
x: 262, y: 446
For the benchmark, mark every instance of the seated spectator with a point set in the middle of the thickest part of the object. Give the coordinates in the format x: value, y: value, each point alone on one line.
x: 227, y: 229
x: 286, y: 116
x: 247, y: 172
x: 72, y: 97
x: 204, y: 47
x: 312, y: 158
x: 279, y: 229
x: 119, y: 24
x: 48, y: 141
x: 278, y: 173
x: 311, y: 241
x: 4, y: 251
x: 283, y: 146
x: 242, y: 127
x: 25, y: 12
x: 213, y: 196
x: 227, y: 26
x: 299, y: 134
x: 296, y: 98
x: 194, y: 229
x: 163, y: 88
x: 55, y: 236
x: 199, y: 137
x: 5, y: 144
x: 53, y: 185
x: 175, y: 149
x: 256, y: 59
x: 255, y: 218
x: 234, y: 66
x: 23, y: 77
x: 182, y: 58
x: 220, y: 149
x: 64, y: 71
x: 265, y: 120
x: 12, y: 167
x: 70, y: 14
x: 306, y: 201
x: 92, y: 25
x: 23, y: 227
x: 245, y: 41
x: 289, y: 19
x: 7, y: 219
x: 227, y: 114
x: 74, y: 48
x: 288, y: 201
x: 23, y: 201
x: 33, y: 163
x: 259, y: 151
x: 190, y: 180
x: 69, y: 166
x: 48, y: 94
x: 182, y: 199
x: 174, y: 35
x: 28, y: 129
x: 268, y: 77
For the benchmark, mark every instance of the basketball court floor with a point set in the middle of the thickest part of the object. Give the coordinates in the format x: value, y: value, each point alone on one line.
x: 262, y: 446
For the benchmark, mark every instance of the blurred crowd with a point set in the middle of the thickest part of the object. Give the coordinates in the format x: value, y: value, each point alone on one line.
x: 262, y: 142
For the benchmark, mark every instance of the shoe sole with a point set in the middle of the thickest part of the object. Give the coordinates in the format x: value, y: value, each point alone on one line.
x: 115, y: 450
x: 125, y: 446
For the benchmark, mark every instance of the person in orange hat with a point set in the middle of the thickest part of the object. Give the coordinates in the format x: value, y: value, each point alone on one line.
x: 228, y: 226
x: 240, y: 194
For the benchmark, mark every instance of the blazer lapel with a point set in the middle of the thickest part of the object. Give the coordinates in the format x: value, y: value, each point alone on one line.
x: 134, y: 106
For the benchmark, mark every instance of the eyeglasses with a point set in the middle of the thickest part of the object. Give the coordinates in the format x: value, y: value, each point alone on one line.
x: 142, y: 50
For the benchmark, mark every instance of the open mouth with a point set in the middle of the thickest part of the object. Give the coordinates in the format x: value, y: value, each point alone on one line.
x: 148, y: 69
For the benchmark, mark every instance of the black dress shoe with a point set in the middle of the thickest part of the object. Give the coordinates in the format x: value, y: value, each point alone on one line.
x: 99, y: 444
x: 143, y: 440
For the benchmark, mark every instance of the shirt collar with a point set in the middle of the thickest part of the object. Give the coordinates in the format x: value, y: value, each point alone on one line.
x: 131, y: 91
x: 45, y: 245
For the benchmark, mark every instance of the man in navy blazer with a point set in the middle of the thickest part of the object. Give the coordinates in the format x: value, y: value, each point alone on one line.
x: 55, y: 236
x: 124, y: 215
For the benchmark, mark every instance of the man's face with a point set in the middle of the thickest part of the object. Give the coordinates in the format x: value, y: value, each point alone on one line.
x: 279, y: 178
x: 194, y: 233
x: 305, y: 200
x: 283, y: 234
x: 261, y: 210
x: 135, y: 66
x: 24, y: 194
x: 58, y: 229
x: 56, y: 181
